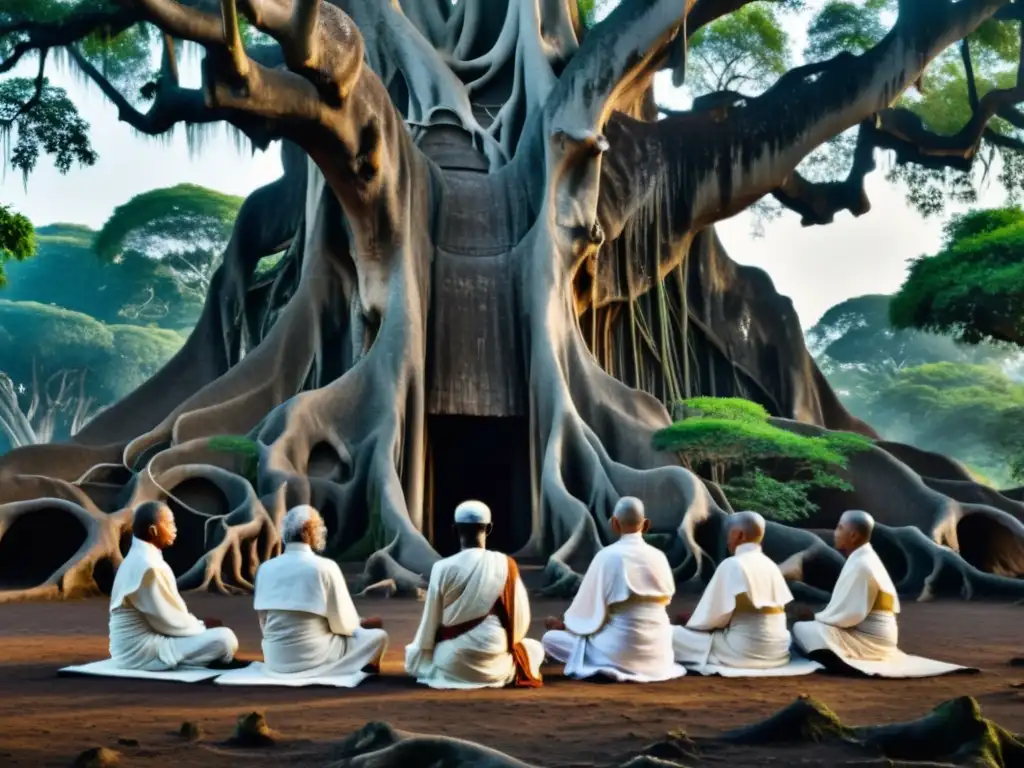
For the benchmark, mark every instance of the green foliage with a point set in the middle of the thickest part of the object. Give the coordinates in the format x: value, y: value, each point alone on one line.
x: 38, y: 342
x: 746, y: 50
x: 974, y: 288
x: 841, y: 26
x: 178, y: 218
x: 736, y: 440
x: 134, y: 290
x: 50, y: 126
x: 17, y: 239
x: 240, y: 446
x: 374, y: 540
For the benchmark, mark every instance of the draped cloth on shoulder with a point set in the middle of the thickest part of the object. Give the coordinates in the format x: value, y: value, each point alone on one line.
x: 859, y: 624
x: 503, y: 609
x: 150, y: 626
x: 617, y: 625
x: 740, y: 620
x: 471, y: 634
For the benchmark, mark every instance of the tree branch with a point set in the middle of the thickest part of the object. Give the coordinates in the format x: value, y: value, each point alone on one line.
x: 64, y: 32
x: 37, y: 93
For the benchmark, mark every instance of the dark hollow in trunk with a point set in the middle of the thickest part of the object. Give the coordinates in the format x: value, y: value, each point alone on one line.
x: 36, y: 545
x: 488, y: 459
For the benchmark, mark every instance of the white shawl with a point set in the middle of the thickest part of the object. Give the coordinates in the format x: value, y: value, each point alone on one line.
x: 629, y: 568
x: 748, y: 571
x: 862, y: 578
x: 145, y: 582
x: 300, y: 580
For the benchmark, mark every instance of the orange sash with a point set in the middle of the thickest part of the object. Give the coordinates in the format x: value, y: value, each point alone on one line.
x: 504, y: 609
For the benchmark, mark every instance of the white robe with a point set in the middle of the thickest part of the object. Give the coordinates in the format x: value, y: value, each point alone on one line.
x: 861, y: 636
x: 617, y: 625
x: 464, y: 587
x: 310, y: 625
x: 150, y: 627
x: 739, y: 621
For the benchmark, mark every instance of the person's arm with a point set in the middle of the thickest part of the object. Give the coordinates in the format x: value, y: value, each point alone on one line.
x: 159, y: 601
x: 589, y: 609
x: 342, y: 616
x: 420, y: 653
x: 521, y: 620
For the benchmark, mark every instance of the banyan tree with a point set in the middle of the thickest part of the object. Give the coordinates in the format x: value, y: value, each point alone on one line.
x: 500, y: 266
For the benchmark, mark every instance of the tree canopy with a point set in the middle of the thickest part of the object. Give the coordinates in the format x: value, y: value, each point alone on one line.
x: 761, y: 466
x: 185, y: 227
x: 973, y: 289
x: 17, y: 239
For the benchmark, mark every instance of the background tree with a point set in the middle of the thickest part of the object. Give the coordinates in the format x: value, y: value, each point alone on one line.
x: 973, y: 289
x: 184, y: 227
x: 482, y: 217
x: 17, y: 239
x: 63, y: 366
x: 132, y: 289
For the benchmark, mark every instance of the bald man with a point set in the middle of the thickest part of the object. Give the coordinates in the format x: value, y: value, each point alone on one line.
x: 475, y: 618
x: 857, y: 630
x: 310, y: 625
x: 151, y: 629
x: 617, y: 626
x: 740, y: 620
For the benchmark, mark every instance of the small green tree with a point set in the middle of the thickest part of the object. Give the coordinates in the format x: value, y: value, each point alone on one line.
x: 760, y: 466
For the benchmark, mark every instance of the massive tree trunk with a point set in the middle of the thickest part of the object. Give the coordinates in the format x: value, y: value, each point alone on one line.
x: 499, y: 269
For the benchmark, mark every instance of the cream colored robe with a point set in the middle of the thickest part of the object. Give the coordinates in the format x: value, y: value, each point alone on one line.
x: 857, y: 631
x: 617, y: 625
x: 310, y: 625
x: 464, y: 587
x: 739, y: 621
x: 150, y: 627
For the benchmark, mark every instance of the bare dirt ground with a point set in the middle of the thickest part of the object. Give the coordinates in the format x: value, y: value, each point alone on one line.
x: 46, y: 720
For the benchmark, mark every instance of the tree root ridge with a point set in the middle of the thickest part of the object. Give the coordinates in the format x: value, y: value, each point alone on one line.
x: 955, y: 732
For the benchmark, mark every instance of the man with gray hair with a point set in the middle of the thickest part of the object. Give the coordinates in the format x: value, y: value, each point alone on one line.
x: 857, y: 630
x: 617, y: 625
x: 310, y: 625
x: 740, y: 621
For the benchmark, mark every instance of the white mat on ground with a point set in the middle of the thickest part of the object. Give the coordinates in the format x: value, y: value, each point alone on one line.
x: 905, y: 666
x: 107, y: 668
x: 797, y: 666
x: 257, y: 674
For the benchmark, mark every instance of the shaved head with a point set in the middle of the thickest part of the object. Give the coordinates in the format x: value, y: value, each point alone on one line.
x: 628, y: 516
x: 854, y: 530
x: 750, y: 524
x: 859, y: 521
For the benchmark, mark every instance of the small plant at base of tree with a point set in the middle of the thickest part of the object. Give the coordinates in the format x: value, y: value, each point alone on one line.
x: 760, y: 466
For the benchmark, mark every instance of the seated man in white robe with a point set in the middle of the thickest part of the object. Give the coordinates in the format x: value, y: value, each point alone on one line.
x: 858, y: 627
x: 310, y: 625
x: 740, y: 620
x: 617, y: 626
x: 476, y: 615
x: 150, y: 627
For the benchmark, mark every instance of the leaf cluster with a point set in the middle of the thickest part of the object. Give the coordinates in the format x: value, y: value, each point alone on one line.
x: 973, y: 289
x: 17, y: 239
x: 736, y: 439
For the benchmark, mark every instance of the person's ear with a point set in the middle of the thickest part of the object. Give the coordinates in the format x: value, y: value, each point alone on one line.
x: 487, y: 529
x: 646, y: 526
x: 152, y: 532
x: 616, y: 528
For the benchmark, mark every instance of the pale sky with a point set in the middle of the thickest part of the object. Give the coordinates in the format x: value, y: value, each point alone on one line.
x: 816, y: 266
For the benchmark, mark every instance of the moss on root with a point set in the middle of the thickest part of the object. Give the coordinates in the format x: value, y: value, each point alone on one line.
x: 955, y: 732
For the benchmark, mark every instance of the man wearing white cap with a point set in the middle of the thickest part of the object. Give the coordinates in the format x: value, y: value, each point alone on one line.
x: 310, y: 625
x: 617, y: 626
x: 473, y: 631
x: 740, y: 621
